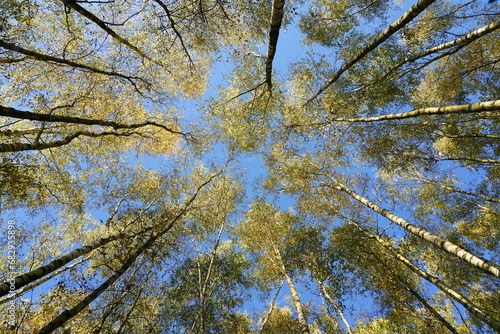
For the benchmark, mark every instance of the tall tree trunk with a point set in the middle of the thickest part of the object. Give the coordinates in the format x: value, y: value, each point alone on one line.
x: 276, y: 19
x: 458, y: 43
x: 203, y: 283
x: 107, y: 312
x: 484, y: 265
x: 297, y: 304
x: 454, y: 189
x: 431, y: 310
x: 74, y: 5
x: 42, y: 271
x: 129, y: 313
x: 459, y: 109
x: 28, y: 287
x: 393, y: 28
x: 481, y: 161
x: 401, y: 279
x: 47, y: 58
x: 461, y: 191
x: 468, y: 304
x: 17, y: 147
x: 271, y: 308
x: 335, y: 305
x: 19, y: 114
x: 68, y: 314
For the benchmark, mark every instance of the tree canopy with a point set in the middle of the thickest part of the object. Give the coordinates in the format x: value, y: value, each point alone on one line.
x: 252, y: 166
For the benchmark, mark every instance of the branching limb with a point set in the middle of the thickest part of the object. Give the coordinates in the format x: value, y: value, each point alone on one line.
x: 458, y: 44
x: 17, y: 147
x: 174, y: 28
x: 47, y: 58
x: 74, y: 5
x: 14, y: 113
x: 406, y: 18
x: 68, y: 314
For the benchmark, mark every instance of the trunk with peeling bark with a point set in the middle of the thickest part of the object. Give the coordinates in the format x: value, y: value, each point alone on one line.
x: 466, y: 303
x: 69, y: 314
x: 40, y: 281
x: 406, y: 18
x: 42, y: 271
x: 460, y: 109
x: 337, y: 308
x: 476, y: 261
x: 297, y: 304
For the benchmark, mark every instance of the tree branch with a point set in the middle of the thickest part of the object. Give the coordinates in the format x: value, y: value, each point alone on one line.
x: 407, y: 17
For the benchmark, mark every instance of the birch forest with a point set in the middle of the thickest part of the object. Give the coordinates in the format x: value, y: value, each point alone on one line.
x: 250, y: 166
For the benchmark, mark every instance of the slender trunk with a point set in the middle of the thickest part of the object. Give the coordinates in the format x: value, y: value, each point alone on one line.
x: 454, y: 189
x: 431, y: 309
x: 47, y: 58
x: 459, y: 109
x: 17, y: 147
x: 335, y: 305
x: 481, y: 136
x: 402, y: 280
x: 407, y: 17
x: 19, y: 114
x: 468, y: 304
x: 129, y: 313
x: 481, y: 161
x: 276, y: 19
x: 204, y: 284
x: 461, y: 42
x: 107, y: 313
x: 74, y: 5
x: 271, y: 308
x: 201, y: 312
x: 68, y: 314
x: 297, y: 305
x: 461, y: 191
x: 42, y: 271
x: 28, y: 287
x: 458, y: 43
x: 484, y: 265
